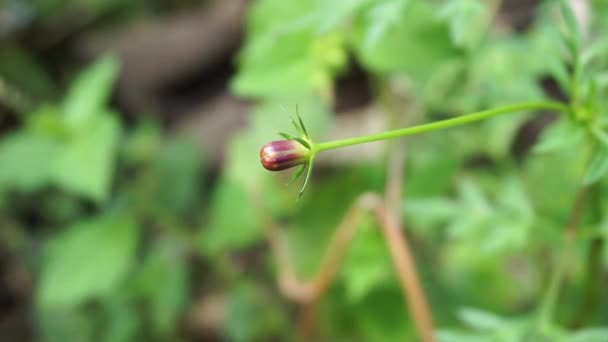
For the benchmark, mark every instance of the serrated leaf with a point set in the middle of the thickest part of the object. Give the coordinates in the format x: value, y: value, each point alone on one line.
x: 87, y: 260
x: 90, y: 92
x: 598, y: 166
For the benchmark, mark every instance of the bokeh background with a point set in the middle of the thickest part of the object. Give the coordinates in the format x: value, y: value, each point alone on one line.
x: 133, y: 205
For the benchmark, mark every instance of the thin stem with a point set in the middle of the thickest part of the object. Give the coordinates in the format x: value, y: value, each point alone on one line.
x: 552, y: 294
x: 461, y: 120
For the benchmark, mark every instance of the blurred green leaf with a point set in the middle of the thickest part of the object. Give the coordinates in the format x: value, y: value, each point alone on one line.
x: 286, y: 55
x: 414, y: 45
x: 178, y: 176
x: 563, y: 133
x: 481, y: 320
x: 467, y: 20
x: 123, y: 322
x: 589, y: 335
x: 85, y: 164
x: 87, y: 261
x: 26, y: 161
x: 599, y: 165
x: 368, y: 263
x: 163, y: 282
x: 90, y: 92
x: 254, y: 315
x: 234, y: 221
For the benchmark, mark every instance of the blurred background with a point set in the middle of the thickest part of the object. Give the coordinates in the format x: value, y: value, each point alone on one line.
x: 133, y: 205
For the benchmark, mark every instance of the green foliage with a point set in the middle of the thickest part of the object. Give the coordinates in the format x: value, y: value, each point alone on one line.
x: 130, y: 232
x: 68, y: 278
x: 55, y: 142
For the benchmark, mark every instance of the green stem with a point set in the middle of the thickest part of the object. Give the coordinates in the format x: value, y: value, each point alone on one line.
x: 461, y: 120
x: 551, y: 296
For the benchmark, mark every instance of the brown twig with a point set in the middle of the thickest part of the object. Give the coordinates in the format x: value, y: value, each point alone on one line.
x: 310, y: 292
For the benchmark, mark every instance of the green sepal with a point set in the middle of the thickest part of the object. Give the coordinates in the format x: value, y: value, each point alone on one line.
x: 303, y: 142
x: 297, y: 127
x: 308, y: 174
x: 301, y: 122
x: 300, y: 140
x: 297, y: 174
x: 287, y: 136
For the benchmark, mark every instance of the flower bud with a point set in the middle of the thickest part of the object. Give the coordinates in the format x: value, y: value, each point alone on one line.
x: 283, y: 154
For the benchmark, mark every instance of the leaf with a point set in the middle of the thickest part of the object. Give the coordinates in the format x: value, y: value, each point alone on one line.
x: 561, y: 134
x: 123, y: 321
x: 481, y: 320
x: 287, y: 55
x: 85, y: 165
x: 177, y: 175
x: 90, y: 92
x: 467, y: 20
x: 384, y: 15
x: 423, y: 43
x: 368, y: 264
x: 87, y: 260
x: 163, y: 285
x: 26, y: 161
x: 589, y: 335
x: 234, y: 221
x: 598, y: 166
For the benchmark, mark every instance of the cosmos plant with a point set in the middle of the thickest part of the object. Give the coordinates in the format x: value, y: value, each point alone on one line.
x: 581, y: 78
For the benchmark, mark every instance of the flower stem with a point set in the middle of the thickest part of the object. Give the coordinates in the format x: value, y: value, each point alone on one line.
x: 433, y: 126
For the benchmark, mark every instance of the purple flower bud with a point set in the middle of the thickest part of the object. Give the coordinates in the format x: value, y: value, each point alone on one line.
x: 283, y: 154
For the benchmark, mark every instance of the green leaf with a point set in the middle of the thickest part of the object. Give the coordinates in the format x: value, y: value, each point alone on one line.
x: 87, y: 261
x: 561, y: 134
x: 163, y: 285
x: 286, y: 55
x: 481, y: 320
x: 467, y: 20
x: 589, y: 335
x: 368, y: 264
x: 414, y: 45
x: 176, y: 176
x: 90, y: 92
x: 598, y: 167
x: 234, y: 221
x: 26, y: 161
x: 123, y: 321
x: 85, y: 165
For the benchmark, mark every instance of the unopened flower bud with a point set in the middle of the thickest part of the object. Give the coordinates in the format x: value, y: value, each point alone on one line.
x: 283, y: 154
